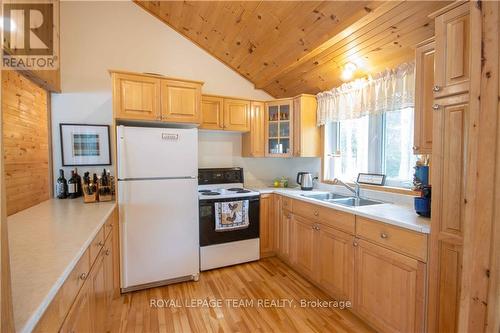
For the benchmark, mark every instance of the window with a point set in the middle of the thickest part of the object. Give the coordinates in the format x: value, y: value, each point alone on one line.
x: 375, y: 144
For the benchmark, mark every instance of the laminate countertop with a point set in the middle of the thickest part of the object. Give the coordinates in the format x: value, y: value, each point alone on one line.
x: 45, y: 243
x: 399, y: 215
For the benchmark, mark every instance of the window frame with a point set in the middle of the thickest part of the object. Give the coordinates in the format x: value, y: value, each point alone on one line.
x: 376, y: 121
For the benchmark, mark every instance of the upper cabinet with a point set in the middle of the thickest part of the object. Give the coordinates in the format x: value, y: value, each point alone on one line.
x: 290, y: 126
x: 153, y: 97
x: 306, y: 133
x: 236, y: 115
x: 278, y: 127
x: 424, y: 83
x: 453, y: 39
x: 212, y: 112
x: 221, y: 113
x: 180, y: 101
x: 253, y: 142
x: 136, y: 97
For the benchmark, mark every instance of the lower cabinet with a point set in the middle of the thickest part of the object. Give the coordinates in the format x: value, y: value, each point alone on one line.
x: 79, y: 318
x: 385, y: 283
x: 336, y: 262
x: 267, y: 225
x: 84, y: 301
x: 303, y: 242
x: 284, y: 226
x: 389, y: 288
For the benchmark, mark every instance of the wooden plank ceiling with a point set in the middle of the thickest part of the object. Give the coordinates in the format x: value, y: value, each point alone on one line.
x: 292, y: 47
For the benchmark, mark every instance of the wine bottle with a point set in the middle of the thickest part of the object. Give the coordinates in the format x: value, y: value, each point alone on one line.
x: 61, y: 186
x: 73, y: 186
x: 79, y: 191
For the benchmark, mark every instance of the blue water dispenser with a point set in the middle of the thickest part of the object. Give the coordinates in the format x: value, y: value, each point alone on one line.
x: 421, y: 184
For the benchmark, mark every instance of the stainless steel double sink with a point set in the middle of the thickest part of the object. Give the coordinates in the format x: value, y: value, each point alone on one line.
x: 342, y: 199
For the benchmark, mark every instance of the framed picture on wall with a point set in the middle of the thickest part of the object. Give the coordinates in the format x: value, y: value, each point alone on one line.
x: 83, y: 144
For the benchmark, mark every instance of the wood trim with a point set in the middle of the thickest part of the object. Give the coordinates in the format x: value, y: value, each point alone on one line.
x: 6, y: 311
x: 481, y: 224
x: 446, y: 8
x: 235, y: 97
x: 153, y: 75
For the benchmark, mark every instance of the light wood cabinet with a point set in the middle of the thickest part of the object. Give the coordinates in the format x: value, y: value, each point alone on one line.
x: 180, y: 101
x: 306, y: 133
x: 453, y: 53
x: 279, y: 128
x: 83, y: 302
x: 149, y: 97
x: 98, y: 294
x: 267, y: 225
x: 79, y: 318
x: 284, y: 226
x: 451, y: 122
x: 335, y: 267
x: 253, y: 142
x: 389, y: 289
x: 212, y: 112
x: 236, y: 115
x: 136, y: 97
x: 424, y: 97
x: 303, y: 243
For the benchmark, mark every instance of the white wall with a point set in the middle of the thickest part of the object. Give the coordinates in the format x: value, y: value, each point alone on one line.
x: 223, y: 149
x: 97, y: 36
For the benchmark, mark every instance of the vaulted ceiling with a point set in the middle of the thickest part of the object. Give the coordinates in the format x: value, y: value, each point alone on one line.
x: 292, y: 47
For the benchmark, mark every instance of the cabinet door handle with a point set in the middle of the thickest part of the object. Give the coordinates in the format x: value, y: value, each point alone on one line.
x: 318, y: 228
x: 100, y: 244
x: 316, y: 213
x: 355, y: 244
x: 83, y: 276
x: 383, y: 235
x: 108, y: 252
x: 415, y: 147
x: 435, y: 106
x: 436, y: 88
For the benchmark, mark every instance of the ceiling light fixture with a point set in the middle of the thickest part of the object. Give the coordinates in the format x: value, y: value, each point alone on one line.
x: 348, y: 71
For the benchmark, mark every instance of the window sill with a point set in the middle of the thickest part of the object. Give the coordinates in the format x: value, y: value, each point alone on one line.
x: 398, y: 190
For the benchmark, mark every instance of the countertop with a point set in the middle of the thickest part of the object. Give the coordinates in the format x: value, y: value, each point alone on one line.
x: 398, y: 215
x: 45, y: 243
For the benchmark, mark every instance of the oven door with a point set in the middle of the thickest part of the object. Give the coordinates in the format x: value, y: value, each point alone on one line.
x: 208, y: 235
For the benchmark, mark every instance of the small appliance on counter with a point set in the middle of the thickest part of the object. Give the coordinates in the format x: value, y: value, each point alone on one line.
x: 229, y: 219
x: 305, y: 180
x: 421, y: 184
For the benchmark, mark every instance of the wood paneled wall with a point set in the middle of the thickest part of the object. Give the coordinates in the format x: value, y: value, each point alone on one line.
x: 27, y: 154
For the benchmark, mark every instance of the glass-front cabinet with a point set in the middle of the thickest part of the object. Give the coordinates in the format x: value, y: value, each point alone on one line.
x: 279, y: 128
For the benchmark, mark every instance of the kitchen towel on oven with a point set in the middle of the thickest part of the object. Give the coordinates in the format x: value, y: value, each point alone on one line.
x: 231, y: 215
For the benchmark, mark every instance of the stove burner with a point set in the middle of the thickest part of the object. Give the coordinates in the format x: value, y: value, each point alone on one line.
x: 204, y: 191
x: 242, y: 191
x: 236, y: 189
x: 210, y: 193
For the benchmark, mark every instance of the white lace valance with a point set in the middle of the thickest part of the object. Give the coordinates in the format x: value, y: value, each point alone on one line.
x: 390, y: 90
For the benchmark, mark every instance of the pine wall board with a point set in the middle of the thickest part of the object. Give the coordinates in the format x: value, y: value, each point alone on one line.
x: 26, y: 142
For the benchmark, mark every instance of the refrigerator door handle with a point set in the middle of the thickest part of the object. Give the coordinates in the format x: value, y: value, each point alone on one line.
x: 120, y: 138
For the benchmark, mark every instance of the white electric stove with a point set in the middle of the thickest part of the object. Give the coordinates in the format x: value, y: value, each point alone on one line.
x: 219, y: 249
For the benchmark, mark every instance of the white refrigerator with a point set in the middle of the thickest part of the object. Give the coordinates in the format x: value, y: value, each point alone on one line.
x: 158, y: 204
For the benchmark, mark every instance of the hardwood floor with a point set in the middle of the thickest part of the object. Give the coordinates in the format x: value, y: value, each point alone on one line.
x: 258, y: 284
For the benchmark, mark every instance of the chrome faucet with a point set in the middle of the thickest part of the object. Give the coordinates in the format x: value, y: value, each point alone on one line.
x: 356, y: 189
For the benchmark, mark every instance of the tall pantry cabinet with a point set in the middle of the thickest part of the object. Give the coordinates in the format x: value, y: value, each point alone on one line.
x: 454, y: 44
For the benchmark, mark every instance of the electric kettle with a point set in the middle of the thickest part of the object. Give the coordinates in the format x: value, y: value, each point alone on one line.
x: 305, y: 180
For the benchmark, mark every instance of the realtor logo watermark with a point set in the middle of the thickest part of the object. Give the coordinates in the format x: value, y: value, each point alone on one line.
x: 30, y: 36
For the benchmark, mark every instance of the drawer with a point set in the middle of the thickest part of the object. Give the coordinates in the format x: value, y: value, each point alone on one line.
x: 96, y: 245
x: 286, y: 203
x: 327, y: 216
x: 401, y: 240
x: 75, y: 281
x: 53, y: 317
x: 109, y: 225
